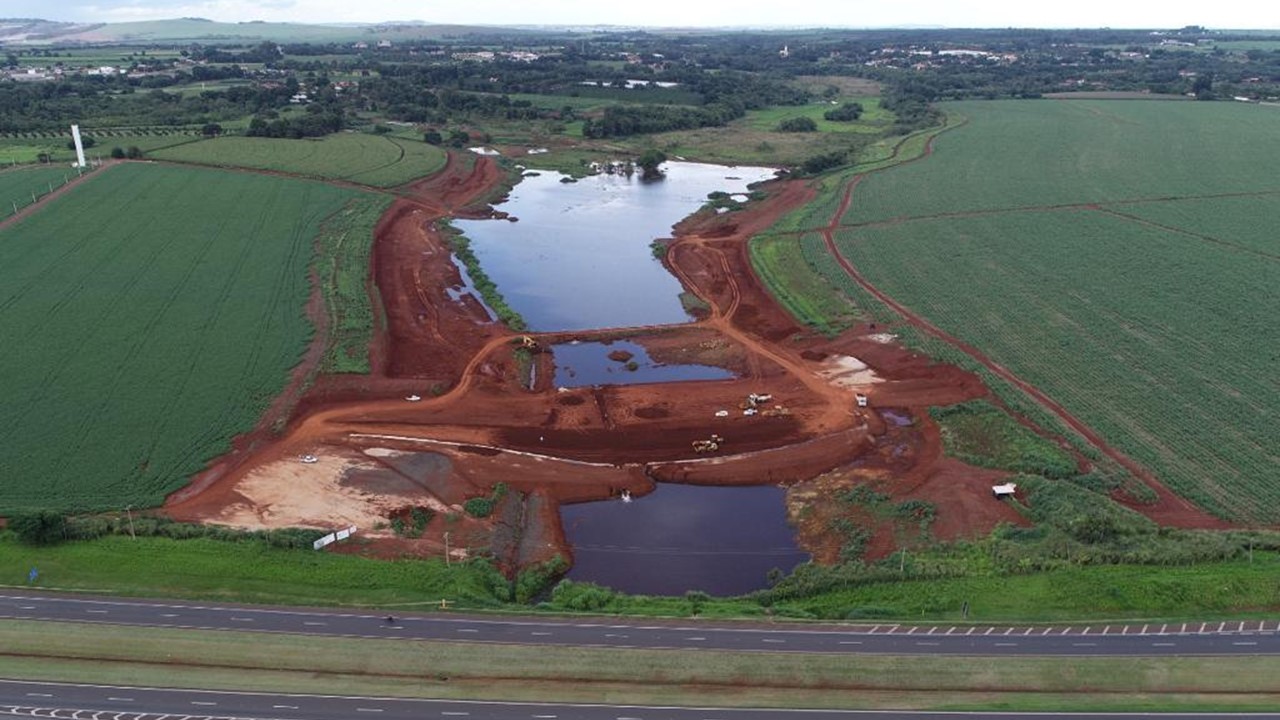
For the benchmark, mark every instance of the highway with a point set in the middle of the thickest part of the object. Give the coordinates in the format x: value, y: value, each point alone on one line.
x: 102, y: 702
x: 1253, y: 637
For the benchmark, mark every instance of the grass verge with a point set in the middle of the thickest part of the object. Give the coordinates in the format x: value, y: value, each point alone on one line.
x: 934, y: 587
x: 346, y: 240
x: 410, y: 668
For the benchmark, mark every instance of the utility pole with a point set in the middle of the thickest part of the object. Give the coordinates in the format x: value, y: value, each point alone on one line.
x: 446, y: 547
x: 129, y: 510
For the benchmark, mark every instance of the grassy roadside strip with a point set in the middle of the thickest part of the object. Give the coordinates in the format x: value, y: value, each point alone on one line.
x: 345, y: 244
x: 253, y: 572
x: 410, y: 668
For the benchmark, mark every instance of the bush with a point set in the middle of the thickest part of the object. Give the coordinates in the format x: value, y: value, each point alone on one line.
x: 39, y: 527
x: 117, y: 153
x: 797, y: 124
x: 571, y: 595
x: 481, y: 507
x: 845, y: 113
x: 823, y: 162
x: 533, y: 581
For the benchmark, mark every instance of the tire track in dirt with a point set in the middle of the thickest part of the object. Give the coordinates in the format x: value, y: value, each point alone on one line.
x: 1169, y: 507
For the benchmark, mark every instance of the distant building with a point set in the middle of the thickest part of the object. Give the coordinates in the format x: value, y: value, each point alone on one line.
x: 384, y: 44
x: 361, y: 46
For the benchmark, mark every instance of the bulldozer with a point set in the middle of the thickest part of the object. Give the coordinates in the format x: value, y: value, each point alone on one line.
x: 705, y: 446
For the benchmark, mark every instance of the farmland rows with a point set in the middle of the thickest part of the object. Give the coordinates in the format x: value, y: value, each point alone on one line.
x: 1228, y: 220
x: 882, y: 155
x: 1134, y: 284
x: 1135, y: 336
x: 1097, y: 152
x: 378, y: 161
x: 21, y: 187
x: 148, y: 344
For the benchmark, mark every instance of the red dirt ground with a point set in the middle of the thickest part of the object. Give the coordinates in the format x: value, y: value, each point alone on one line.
x: 476, y: 424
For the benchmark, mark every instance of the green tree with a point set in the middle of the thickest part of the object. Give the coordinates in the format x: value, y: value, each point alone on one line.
x: 39, y: 527
x: 211, y: 130
x: 845, y: 113
x: 431, y: 137
x: 117, y: 152
x: 797, y: 124
x: 649, y: 163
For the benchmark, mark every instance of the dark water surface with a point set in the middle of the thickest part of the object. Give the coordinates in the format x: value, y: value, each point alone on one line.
x: 588, y: 363
x: 720, y: 540
x: 578, y: 258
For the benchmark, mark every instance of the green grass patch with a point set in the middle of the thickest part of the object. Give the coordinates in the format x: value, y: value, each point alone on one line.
x: 979, y: 433
x: 568, y: 161
x: 646, y: 95
x: 346, y: 242
x: 1068, y: 594
x: 874, y: 118
x: 251, y: 571
x: 997, y: 576
x: 409, y: 668
x: 161, y: 309
x: 780, y: 263
x: 375, y: 160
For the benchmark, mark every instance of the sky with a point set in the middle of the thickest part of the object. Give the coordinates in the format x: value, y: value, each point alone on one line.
x: 1234, y: 14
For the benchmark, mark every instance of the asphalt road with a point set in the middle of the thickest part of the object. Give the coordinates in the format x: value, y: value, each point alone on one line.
x: 101, y: 702
x: 1229, y: 638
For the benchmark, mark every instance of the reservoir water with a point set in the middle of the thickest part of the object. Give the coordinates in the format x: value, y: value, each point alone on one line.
x: 588, y: 363
x: 578, y: 258
x: 720, y: 540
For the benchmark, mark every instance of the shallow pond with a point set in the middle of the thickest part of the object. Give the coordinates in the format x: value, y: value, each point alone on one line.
x: 720, y: 540
x: 578, y: 257
x: 588, y: 363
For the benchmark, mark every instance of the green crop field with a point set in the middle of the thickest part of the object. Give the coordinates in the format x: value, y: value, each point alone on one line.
x: 1117, y: 255
x: 150, y: 314
x: 26, y: 148
x: 374, y: 160
x: 874, y: 118
x: 19, y: 187
x: 1045, y: 152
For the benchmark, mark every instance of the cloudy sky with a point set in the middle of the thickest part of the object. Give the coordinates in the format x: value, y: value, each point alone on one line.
x: 847, y: 13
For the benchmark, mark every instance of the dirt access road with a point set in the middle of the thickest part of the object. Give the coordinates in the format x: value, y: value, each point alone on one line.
x: 449, y: 412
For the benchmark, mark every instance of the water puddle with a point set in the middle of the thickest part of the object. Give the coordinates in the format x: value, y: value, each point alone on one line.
x: 468, y: 288
x: 897, y: 417
x: 621, y: 363
x: 720, y: 540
